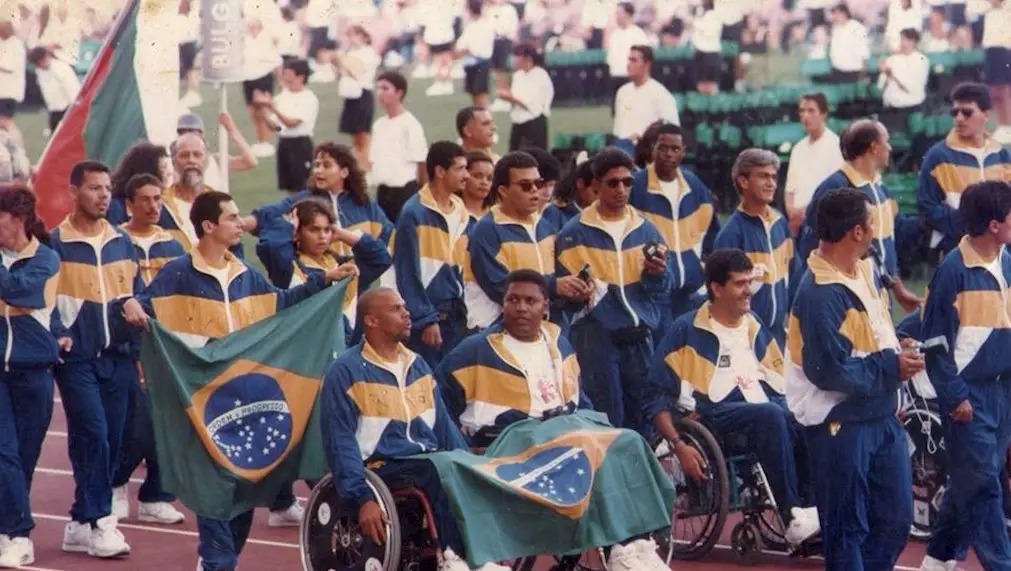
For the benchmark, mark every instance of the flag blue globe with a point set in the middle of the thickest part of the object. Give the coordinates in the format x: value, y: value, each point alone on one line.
x: 249, y: 421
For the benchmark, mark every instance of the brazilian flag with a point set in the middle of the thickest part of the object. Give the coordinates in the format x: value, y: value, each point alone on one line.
x: 560, y: 486
x: 238, y: 418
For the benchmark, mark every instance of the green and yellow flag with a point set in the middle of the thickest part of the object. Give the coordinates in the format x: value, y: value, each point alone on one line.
x: 238, y: 418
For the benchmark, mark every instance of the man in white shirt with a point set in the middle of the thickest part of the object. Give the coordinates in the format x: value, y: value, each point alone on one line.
x: 849, y: 46
x: 476, y: 46
x: 594, y: 18
x: 620, y: 42
x: 643, y: 100
x: 294, y: 113
x: 439, y: 36
x: 531, y: 96
x: 904, y: 75
x: 812, y: 160
x: 12, y: 75
x: 505, y: 25
x: 57, y: 81
x: 398, y: 147
x: 903, y: 14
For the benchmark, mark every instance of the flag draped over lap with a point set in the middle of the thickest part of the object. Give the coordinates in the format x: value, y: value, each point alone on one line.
x: 238, y: 418
x: 561, y: 486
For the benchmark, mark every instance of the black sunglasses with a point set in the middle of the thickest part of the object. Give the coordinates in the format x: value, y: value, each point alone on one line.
x: 614, y: 182
x: 528, y: 185
x: 963, y: 111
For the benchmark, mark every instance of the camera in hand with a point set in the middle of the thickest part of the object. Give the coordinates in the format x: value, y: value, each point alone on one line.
x: 651, y: 250
x: 584, y: 274
x: 934, y: 346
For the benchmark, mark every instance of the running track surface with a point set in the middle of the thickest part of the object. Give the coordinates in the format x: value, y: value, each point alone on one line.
x: 173, y: 548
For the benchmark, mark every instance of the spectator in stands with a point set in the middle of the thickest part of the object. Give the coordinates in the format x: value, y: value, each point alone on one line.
x: 849, y: 46
x: 619, y: 43
x: 531, y: 95
x: 357, y: 68
x: 477, y: 46
x: 477, y: 130
x: 260, y: 61
x: 319, y: 17
x: 813, y: 159
x: 997, y: 65
x: 189, y: 37
x: 706, y: 38
x: 398, y: 147
x: 293, y: 113
x: 844, y: 366
x: 438, y: 35
x: 760, y: 231
x: 904, y: 75
x: 244, y: 161
x: 57, y: 81
x: 505, y: 23
x: 903, y: 15
x: 642, y: 101
x: 12, y: 75
x: 967, y: 294
x: 593, y: 19
x: 938, y: 32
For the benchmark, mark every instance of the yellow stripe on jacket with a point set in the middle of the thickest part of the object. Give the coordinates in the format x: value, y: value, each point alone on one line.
x: 379, y: 400
x: 81, y: 281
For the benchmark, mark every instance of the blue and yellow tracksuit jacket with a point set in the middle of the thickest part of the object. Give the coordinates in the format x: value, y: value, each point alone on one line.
x: 972, y: 310
x: 288, y: 268
x: 425, y: 258
x: 499, y: 245
x: 624, y: 296
x: 484, y: 384
x: 836, y: 368
x: 461, y: 256
x: 367, y: 218
x: 97, y: 273
x: 559, y: 213
x: 685, y: 363
x: 767, y: 242
x: 689, y: 234
x: 28, y: 287
x: 370, y: 415
x: 190, y: 302
x: 947, y: 169
x: 154, y: 250
x: 884, y: 211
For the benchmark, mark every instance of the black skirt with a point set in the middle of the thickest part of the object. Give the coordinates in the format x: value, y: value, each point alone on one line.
x: 533, y: 133
x: 187, y: 57
x: 294, y: 162
x: 265, y: 83
x: 476, y: 80
x: 357, y: 115
x: 500, y: 55
x: 708, y: 67
x: 997, y: 66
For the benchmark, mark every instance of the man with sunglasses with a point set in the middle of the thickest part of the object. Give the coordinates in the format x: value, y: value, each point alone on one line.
x: 625, y: 257
x: 966, y: 156
x: 514, y: 236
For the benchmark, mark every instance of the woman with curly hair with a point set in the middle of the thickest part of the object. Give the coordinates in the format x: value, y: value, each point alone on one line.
x: 142, y: 158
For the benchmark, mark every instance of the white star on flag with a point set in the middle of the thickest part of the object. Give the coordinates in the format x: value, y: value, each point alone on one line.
x: 238, y: 402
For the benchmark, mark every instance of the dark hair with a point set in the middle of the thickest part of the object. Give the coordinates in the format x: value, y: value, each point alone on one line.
x: 565, y: 190
x: 299, y: 66
x: 843, y: 8
x: 819, y: 99
x: 644, y: 146
x: 548, y: 166
x: 287, y: 14
x: 839, y: 211
x: 512, y: 160
x: 82, y: 168
x: 610, y: 158
x: 18, y: 201
x: 475, y: 6
x: 628, y: 7
x: 646, y: 52
x: 528, y: 277
x: 355, y: 184
x: 970, y: 92
x: 982, y: 203
x: 526, y: 49
x: 396, y: 80
x: 858, y: 138
x: 356, y: 29
x: 475, y: 157
x: 464, y: 116
x: 723, y: 262
x: 138, y: 180
x: 207, y: 208
x: 38, y: 54
x: 910, y: 34
x: 442, y: 154
x: 142, y: 158
x: 308, y: 209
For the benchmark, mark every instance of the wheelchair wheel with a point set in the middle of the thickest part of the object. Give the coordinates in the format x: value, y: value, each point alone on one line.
x: 700, y: 511
x: 330, y: 539
x: 922, y: 422
x: 746, y: 543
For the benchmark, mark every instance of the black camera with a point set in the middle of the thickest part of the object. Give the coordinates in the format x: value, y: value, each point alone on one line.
x: 652, y: 250
x: 584, y: 274
x: 933, y: 346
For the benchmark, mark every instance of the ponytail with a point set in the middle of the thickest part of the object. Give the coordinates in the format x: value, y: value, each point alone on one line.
x: 18, y: 201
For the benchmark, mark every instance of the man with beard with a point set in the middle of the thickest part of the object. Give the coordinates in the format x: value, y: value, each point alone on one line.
x: 189, y: 157
x: 98, y: 268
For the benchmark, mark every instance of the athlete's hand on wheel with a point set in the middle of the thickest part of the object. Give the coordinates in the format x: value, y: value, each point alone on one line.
x: 691, y: 461
x: 373, y: 522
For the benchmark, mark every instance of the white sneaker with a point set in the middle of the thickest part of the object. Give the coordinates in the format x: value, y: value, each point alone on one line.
x: 500, y: 106
x: 439, y: 88
x: 422, y: 71
x: 107, y: 541
x: 650, y: 559
x: 263, y: 150
x: 120, y: 503
x: 452, y: 562
x: 1003, y: 134
x: 804, y: 525
x: 291, y: 517
x: 159, y: 512
x: 624, y: 558
x: 931, y: 564
x: 77, y: 537
x: 18, y: 552
x: 192, y: 99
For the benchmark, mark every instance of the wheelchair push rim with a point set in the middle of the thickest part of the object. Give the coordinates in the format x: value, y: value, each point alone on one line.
x: 929, y: 459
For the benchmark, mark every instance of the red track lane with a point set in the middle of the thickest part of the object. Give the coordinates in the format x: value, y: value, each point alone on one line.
x: 173, y: 548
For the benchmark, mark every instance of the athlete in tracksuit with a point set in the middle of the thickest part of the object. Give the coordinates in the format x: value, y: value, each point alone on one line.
x: 844, y: 369
x: 28, y: 281
x: 968, y: 304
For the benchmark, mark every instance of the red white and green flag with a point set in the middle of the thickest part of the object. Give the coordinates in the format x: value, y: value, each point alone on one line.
x: 130, y: 94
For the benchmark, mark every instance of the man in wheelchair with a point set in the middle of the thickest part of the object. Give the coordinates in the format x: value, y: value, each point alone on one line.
x: 380, y: 406
x: 722, y: 363
x: 523, y: 368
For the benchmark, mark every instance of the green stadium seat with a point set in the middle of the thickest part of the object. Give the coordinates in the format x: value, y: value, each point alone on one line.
x: 816, y: 67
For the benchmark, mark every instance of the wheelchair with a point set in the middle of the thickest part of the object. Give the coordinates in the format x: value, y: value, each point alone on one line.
x: 921, y: 419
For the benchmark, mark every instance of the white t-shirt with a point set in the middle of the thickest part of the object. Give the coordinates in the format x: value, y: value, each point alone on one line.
x: 637, y: 107
x: 302, y: 105
x: 540, y: 371
x: 320, y: 13
x: 398, y: 145
x: 619, y: 44
x: 505, y: 22
x: 810, y: 164
x: 12, y: 59
x: 597, y: 13
x: 260, y: 56
x: 737, y: 366
x: 365, y: 62
x: 849, y: 48
x: 616, y: 228
x: 438, y: 16
x: 707, y: 33
x: 289, y: 39
x: 477, y: 39
x: 183, y: 207
x: 535, y: 90
x: 221, y: 274
x: 881, y: 318
x: 997, y: 27
x: 670, y: 190
x: 912, y: 71
x: 59, y: 84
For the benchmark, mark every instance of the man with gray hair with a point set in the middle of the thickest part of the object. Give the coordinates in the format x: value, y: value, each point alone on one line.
x: 763, y: 233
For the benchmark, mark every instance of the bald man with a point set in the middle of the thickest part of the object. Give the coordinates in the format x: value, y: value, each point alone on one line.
x: 353, y: 390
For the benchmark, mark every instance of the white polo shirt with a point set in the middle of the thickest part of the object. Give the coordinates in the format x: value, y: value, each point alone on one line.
x: 398, y: 145
x: 637, y: 107
x: 12, y: 59
x: 303, y: 105
x: 619, y: 44
x: 912, y: 71
x: 535, y: 90
x: 810, y: 164
x: 849, y: 47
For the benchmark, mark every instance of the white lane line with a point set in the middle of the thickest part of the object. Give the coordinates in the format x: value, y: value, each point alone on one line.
x: 39, y: 568
x: 170, y: 531
x: 58, y: 472
x: 723, y: 547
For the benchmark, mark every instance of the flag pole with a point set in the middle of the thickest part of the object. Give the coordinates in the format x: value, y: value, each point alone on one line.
x: 223, y: 139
